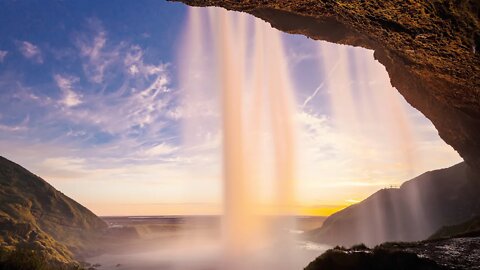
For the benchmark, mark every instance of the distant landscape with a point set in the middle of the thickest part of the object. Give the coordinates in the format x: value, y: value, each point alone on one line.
x: 74, y: 237
x: 170, y: 237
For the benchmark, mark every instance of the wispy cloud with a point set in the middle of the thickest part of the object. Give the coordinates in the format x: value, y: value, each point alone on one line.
x: 123, y: 112
x: 92, y: 47
x: 65, y: 83
x: 135, y: 65
x: 140, y: 97
x: 15, y: 128
x: 116, y: 115
x: 160, y: 150
x: 3, y: 54
x: 64, y: 167
x: 30, y: 51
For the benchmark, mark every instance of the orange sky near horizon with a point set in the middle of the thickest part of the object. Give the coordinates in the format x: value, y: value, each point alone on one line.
x: 196, y: 209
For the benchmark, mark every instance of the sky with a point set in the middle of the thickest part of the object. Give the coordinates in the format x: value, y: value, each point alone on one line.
x: 92, y: 99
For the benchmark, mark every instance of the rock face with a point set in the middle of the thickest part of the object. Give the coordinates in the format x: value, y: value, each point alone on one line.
x: 36, y: 216
x: 412, y: 212
x: 470, y: 227
x: 445, y: 254
x: 430, y: 48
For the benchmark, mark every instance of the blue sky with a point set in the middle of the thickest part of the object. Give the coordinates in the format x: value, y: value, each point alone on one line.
x: 47, y: 44
x: 91, y: 100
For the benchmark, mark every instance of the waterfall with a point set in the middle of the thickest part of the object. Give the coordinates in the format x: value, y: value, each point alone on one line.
x: 244, y: 61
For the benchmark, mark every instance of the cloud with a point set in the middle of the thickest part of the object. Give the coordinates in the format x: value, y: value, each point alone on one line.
x: 104, y: 61
x: 65, y: 163
x: 15, y: 128
x: 297, y: 56
x: 19, y: 127
x: 65, y: 83
x: 19, y: 96
x: 135, y: 65
x: 133, y: 70
x: 30, y: 51
x: 64, y: 168
x: 357, y: 183
x: 93, y: 48
x: 3, y: 54
x: 142, y: 98
x: 160, y: 150
x: 352, y: 201
x: 123, y: 112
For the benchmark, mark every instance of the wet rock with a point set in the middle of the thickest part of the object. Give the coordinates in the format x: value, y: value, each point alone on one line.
x: 452, y: 254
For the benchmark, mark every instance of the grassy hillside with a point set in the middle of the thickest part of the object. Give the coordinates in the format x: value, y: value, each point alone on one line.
x: 410, y: 213
x: 35, y: 216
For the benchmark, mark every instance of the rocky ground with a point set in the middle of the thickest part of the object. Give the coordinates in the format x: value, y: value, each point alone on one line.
x: 446, y: 254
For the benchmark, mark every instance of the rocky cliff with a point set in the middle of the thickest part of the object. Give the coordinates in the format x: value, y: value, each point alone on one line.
x: 430, y: 48
x: 36, y: 216
x: 412, y: 212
